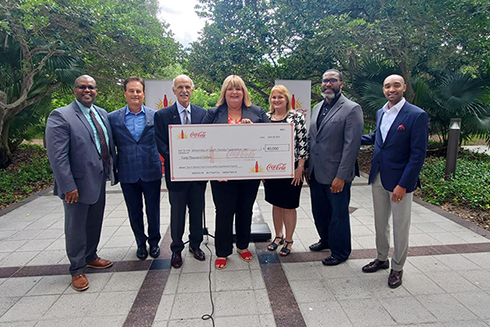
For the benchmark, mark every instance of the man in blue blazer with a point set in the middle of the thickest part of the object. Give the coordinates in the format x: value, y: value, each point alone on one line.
x: 400, y: 144
x: 81, y: 151
x: 138, y: 164
x: 181, y: 194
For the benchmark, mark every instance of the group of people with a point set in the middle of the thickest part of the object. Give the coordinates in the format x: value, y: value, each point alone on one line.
x: 87, y: 147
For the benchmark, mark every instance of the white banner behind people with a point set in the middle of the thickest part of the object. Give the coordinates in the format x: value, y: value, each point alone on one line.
x: 159, y: 94
x: 300, y: 91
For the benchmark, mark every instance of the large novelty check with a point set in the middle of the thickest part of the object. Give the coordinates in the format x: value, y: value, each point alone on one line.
x: 222, y: 151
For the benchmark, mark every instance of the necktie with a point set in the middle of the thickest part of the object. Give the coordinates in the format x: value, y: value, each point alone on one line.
x: 186, y: 117
x: 104, y: 149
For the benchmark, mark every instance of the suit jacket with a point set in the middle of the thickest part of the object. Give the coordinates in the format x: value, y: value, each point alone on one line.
x: 73, y: 153
x: 170, y: 116
x: 136, y: 159
x: 219, y: 115
x: 334, y: 145
x: 399, y: 159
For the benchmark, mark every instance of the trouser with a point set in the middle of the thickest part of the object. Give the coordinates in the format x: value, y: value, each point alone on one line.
x: 133, y: 195
x: 192, y: 196
x: 383, y: 208
x: 83, y: 223
x: 331, y: 215
x: 233, y: 199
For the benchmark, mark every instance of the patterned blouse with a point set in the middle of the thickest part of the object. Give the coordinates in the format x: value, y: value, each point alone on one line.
x: 301, y: 145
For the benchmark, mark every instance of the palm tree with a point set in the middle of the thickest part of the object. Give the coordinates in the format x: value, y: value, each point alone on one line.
x: 443, y: 95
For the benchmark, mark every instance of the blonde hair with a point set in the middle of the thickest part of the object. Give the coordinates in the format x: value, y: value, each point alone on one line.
x: 235, y: 81
x: 284, y: 91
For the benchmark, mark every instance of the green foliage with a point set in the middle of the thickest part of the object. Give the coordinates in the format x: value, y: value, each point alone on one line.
x: 469, y: 187
x: 46, y: 44
x: 295, y: 39
x: 30, y: 177
x: 204, y: 99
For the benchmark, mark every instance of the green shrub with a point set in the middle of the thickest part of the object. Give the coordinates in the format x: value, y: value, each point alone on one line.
x: 29, y: 176
x: 469, y: 187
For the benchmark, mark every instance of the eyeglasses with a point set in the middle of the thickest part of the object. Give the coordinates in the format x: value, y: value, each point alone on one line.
x: 331, y: 80
x: 83, y: 87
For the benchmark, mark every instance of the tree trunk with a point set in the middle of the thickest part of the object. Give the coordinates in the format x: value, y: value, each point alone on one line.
x: 409, y: 93
x: 5, y: 154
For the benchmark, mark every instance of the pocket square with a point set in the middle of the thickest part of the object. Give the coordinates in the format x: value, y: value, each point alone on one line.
x: 401, y: 127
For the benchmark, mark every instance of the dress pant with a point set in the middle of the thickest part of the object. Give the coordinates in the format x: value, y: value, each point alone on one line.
x: 331, y: 215
x: 191, y: 196
x: 83, y: 223
x: 133, y: 195
x: 383, y: 208
x: 233, y: 198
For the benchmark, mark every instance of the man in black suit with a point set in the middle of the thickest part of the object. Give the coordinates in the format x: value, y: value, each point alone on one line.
x: 181, y: 194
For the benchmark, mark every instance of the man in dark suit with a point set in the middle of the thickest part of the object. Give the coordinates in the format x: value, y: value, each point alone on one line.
x: 80, y: 150
x: 400, y: 144
x: 138, y: 165
x: 181, y: 194
x: 335, y: 136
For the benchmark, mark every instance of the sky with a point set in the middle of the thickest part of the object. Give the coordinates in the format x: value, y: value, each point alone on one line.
x: 181, y: 16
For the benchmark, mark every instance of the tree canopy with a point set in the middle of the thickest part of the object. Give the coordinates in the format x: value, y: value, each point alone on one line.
x: 45, y: 44
x: 262, y: 40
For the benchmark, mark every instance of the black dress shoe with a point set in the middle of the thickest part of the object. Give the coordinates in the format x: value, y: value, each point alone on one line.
x: 176, y: 260
x: 154, y: 251
x: 395, y: 278
x: 142, y: 253
x: 332, y: 261
x: 376, y: 265
x: 198, y: 254
x: 318, y: 246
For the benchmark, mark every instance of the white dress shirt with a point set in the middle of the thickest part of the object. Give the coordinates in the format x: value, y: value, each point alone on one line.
x: 389, y: 117
x: 181, y: 109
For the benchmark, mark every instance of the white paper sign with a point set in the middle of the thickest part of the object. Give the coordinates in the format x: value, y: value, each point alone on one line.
x: 158, y: 94
x: 231, y: 151
x: 300, y: 96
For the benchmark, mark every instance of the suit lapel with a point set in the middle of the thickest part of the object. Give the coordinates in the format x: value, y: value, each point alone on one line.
x: 121, y: 117
x: 195, y: 117
x: 84, y: 121
x: 106, y: 124
x: 148, y: 120
x: 175, y: 115
x: 398, y: 120
x: 379, y: 138
x: 337, y: 106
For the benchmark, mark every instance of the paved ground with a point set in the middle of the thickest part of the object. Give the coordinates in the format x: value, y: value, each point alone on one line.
x: 446, y: 281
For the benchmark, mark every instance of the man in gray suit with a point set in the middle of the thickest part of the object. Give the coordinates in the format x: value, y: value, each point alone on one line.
x: 81, y: 150
x: 335, y: 137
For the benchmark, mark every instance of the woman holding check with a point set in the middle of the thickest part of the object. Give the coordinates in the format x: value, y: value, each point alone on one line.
x: 234, y: 198
x: 283, y: 194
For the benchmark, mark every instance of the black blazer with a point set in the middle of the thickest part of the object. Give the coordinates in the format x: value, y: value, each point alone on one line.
x: 170, y: 116
x: 219, y: 115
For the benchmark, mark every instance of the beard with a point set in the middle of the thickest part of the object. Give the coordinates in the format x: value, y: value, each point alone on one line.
x: 330, y: 96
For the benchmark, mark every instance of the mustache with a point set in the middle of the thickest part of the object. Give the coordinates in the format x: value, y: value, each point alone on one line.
x: 184, y: 94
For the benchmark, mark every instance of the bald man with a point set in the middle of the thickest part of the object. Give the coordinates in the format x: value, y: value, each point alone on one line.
x: 181, y: 195
x: 400, y: 144
x: 81, y: 151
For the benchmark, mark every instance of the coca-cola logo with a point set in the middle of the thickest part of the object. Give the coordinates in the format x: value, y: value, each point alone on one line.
x: 241, y: 154
x: 198, y: 135
x: 279, y: 166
